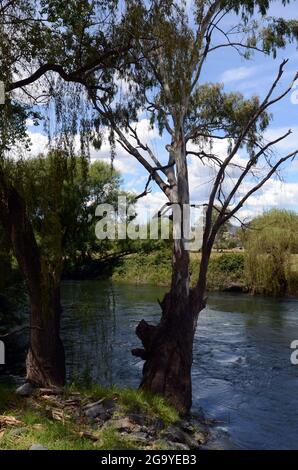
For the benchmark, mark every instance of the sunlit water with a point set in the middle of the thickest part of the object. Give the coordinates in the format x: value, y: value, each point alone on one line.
x: 243, y: 379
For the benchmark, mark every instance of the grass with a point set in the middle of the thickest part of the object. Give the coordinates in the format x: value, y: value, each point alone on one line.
x: 50, y: 434
x: 37, y: 426
x: 131, y: 400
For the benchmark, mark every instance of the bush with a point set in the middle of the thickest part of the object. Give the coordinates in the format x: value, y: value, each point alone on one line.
x: 224, y: 270
x: 270, y: 245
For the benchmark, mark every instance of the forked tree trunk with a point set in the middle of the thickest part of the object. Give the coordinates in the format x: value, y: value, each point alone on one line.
x: 45, y: 360
x: 168, y: 347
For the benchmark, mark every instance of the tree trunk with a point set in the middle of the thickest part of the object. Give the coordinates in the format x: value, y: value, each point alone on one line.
x: 168, y: 349
x: 45, y: 361
x: 168, y: 346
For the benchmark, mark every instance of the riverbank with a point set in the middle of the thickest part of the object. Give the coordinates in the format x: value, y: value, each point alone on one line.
x: 226, y: 270
x: 95, y: 418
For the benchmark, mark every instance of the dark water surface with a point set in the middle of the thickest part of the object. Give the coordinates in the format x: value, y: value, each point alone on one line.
x: 242, y: 375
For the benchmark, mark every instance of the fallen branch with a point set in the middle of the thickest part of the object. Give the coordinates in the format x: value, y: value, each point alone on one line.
x: 9, y: 421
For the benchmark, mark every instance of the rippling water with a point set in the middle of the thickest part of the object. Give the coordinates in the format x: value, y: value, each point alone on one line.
x: 242, y: 376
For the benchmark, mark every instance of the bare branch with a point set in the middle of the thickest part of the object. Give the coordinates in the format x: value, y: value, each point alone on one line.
x: 108, y: 114
x: 249, y: 165
x: 264, y: 105
x: 260, y: 184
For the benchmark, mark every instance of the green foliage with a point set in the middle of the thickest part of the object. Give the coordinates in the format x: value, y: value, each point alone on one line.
x: 270, y: 242
x: 225, y: 269
x: 172, y: 76
x: 7, y: 398
x: 61, y: 192
x: 212, y: 110
x: 145, y: 268
x: 155, y: 268
x: 229, y: 262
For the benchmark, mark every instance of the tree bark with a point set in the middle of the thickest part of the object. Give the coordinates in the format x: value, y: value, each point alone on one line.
x: 45, y: 362
x: 168, y: 347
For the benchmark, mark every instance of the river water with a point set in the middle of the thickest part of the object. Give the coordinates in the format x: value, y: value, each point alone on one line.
x: 243, y: 379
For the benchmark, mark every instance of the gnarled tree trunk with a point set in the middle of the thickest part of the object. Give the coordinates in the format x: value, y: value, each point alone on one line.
x: 168, y: 347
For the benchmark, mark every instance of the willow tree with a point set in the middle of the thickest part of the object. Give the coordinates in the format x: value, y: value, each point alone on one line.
x: 48, y: 49
x: 173, y: 41
x: 270, y: 242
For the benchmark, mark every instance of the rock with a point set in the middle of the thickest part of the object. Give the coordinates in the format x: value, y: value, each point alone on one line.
x: 139, y: 436
x: 234, y: 287
x: 137, y: 418
x: 109, y: 404
x: 90, y: 405
x: 176, y: 434
x: 95, y: 411
x: 187, y: 426
x: 158, y: 424
x: 177, y: 445
x: 18, y: 432
x: 37, y: 447
x: 173, y: 434
x: 190, y: 441
x: 149, y: 431
x: 193, y: 430
x: 102, y: 408
x: 25, y: 390
x: 124, y: 424
x: 200, y: 437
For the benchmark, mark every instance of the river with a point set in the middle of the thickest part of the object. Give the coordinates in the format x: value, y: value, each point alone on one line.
x: 243, y: 380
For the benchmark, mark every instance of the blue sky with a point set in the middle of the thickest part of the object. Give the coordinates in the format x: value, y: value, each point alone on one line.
x: 252, y: 77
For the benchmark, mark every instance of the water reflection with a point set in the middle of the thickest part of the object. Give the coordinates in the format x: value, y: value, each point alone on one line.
x: 98, y: 326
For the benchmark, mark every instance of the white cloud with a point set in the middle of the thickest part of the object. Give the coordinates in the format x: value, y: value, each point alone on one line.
x: 237, y: 74
x: 149, y: 205
x: 39, y: 143
x: 124, y: 162
x: 286, y: 145
x: 274, y: 194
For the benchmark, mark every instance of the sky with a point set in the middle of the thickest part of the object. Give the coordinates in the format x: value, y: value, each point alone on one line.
x: 250, y: 77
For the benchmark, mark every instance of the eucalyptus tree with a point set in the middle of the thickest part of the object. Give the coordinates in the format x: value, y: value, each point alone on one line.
x: 173, y: 41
